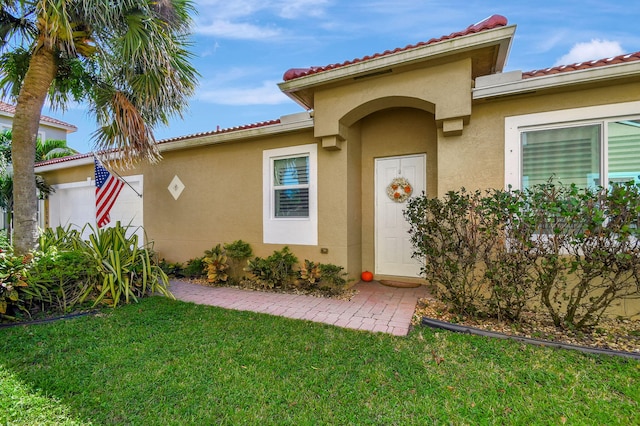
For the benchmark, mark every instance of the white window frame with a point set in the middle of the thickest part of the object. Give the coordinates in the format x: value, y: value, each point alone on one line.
x: 515, y: 125
x: 289, y: 230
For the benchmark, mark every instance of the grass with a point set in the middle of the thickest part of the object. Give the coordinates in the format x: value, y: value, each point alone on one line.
x: 164, y: 362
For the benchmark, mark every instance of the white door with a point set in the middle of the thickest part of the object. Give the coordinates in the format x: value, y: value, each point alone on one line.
x: 74, y: 204
x: 393, y: 246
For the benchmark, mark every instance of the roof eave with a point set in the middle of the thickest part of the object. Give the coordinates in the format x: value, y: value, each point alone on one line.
x: 292, y: 123
x: 245, y: 134
x: 82, y: 160
x: 536, y: 84
x: 69, y: 128
x: 298, y: 88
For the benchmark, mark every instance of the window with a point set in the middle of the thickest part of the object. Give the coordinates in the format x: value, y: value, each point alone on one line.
x: 291, y: 186
x: 569, y: 155
x: 585, y: 146
x: 290, y: 195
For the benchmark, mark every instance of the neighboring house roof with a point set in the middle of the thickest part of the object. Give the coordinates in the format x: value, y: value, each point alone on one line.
x: 491, y: 22
x: 9, y: 110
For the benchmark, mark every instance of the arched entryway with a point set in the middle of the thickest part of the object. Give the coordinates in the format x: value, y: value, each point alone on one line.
x: 399, y: 142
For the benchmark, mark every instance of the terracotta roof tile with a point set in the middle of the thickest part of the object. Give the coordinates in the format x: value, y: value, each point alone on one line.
x: 621, y: 59
x: 491, y: 22
x: 220, y: 131
x: 63, y: 159
x: 11, y: 109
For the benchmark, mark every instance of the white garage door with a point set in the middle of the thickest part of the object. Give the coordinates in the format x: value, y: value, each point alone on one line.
x: 73, y: 204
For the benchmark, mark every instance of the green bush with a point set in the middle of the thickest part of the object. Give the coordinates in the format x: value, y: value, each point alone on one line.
x: 13, y: 272
x: 63, y: 277
x: 194, y: 268
x: 60, y: 238
x: 275, y: 270
x: 215, y: 261
x: 172, y: 269
x: 111, y: 267
x: 124, y: 267
x: 237, y: 254
x: 4, y: 242
x: 575, y: 251
x: 326, y: 277
x: 451, y: 239
x: 583, y: 247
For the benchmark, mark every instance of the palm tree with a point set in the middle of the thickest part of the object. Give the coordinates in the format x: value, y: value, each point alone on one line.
x: 53, y: 148
x: 46, y: 150
x: 127, y: 59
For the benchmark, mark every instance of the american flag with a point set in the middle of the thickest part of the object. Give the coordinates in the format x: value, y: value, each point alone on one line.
x: 108, y: 188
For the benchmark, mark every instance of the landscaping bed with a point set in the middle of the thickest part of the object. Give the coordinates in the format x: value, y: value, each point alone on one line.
x: 611, y: 334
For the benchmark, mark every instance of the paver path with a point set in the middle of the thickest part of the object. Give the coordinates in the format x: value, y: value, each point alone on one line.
x: 375, y: 307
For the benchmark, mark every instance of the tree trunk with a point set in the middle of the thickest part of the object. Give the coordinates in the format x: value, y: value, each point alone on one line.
x: 26, y: 121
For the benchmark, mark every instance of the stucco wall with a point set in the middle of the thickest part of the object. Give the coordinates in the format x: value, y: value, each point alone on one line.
x: 444, y: 90
x: 49, y: 132
x: 222, y: 200
x: 475, y: 159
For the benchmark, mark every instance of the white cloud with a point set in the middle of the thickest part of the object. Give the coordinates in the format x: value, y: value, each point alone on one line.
x: 266, y: 94
x: 593, y: 50
x: 240, y: 30
x: 254, y: 19
x: 301, y: 8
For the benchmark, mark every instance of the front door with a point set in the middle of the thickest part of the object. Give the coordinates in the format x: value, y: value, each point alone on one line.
x: 396, y: 180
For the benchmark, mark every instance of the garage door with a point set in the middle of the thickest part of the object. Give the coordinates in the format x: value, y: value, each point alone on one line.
x: 73, y: 204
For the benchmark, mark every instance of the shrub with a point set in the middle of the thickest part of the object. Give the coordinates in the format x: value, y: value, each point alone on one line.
x: 194, y: 268
x: 172, y: 269
x: 576, y: 251
x: 275, y: 270
x: 63, y: 277
x: 216, y: 265
x: 583, y: 247
x: 309, y: 275
x: 333, y: 279
x: 125, y: 268
x: 450, y: 239
x: 327, y: 277
x: 4, y: 242
x: 237, y: 254
x: 60, y: 238
x: 13, y: 272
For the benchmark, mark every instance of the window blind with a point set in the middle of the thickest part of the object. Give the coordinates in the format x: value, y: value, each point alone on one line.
x: 624, y: 151
x: 291, y: 187
x: 568, y: 155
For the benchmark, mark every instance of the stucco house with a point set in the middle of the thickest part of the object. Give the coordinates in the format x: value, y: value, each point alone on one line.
x: 50, y: 128
x: 441, y: 114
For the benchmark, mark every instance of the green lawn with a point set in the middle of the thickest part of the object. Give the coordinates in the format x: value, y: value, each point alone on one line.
x: 164, y: 362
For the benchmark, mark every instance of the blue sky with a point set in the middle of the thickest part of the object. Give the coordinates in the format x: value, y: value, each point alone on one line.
x: 243, y: 47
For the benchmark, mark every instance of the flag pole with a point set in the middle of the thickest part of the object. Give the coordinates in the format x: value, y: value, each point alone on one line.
x: 120, y: 177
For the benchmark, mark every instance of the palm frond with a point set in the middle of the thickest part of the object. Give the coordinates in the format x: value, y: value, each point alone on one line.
x: 53, y: 148
x: 15, y: 23
x: 124, y: 129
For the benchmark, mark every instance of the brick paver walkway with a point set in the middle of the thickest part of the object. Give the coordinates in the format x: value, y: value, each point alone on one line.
x: 375, y: 307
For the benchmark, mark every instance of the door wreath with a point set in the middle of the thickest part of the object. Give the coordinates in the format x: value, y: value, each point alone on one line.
x: 399, y: 190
